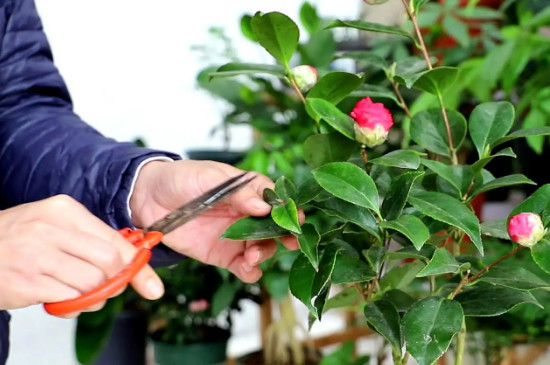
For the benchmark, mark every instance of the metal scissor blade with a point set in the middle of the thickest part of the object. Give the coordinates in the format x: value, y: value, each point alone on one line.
x: 198, y: 205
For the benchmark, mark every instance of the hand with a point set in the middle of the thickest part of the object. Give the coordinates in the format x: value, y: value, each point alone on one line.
x: 54, y: 249
x: 164, y: 186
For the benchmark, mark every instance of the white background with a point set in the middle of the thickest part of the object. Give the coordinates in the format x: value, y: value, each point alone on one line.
x: 131, y: 73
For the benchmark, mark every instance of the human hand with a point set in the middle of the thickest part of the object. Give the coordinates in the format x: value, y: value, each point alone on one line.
x: 55, y: 249
x: 164, y: 186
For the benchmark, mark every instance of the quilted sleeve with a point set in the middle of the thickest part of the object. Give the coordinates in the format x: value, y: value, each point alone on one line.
x: 45, y: 148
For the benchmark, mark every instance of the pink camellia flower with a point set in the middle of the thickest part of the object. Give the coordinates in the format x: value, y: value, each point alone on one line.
x: 372, y: 122
x: 526, y: 229
x: 305, y: 77
x: 199, y: 305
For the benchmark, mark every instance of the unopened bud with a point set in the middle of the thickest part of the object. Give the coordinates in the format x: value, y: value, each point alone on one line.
x: 526, y: 229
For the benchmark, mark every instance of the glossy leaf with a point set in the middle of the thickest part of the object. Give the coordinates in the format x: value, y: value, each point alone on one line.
x: 510, y: 180
x: 445, y: 172
x: 276, y: 283
x: 536, y: 203
x: 442, y: 262
x: 428, y: 130
x: 237, y: 68
x: 320, y: 149
x: 309, y: 18
x: 437, y: 80
x: 408, y: 70
x: 352, y: 213
x: 401, y: 276
x: 348, y: 182
x: 489, y: 301
x: 411, y: 227
x: 376, y: 256
x: 405, y: 159
x: 284, y: 188
x: 374, y: 91
x: 335, y: 86
x: 384, y: 318
x: 515, y: 277
x: 286, y: 216
x: 488, y: 123
x: 541, y: 254
x: 278, y: 34
x: 254, y: 228
x: 401, y: 300
x: 301, y: 280
x: 446, y: 209
x: 319, y: 303
x: 309, y: 240
x: 495, y: 228
x: 409, y: 252
x: 372, y: 27
x: 307, y: 191
x: 429, y: 326
x: 366, y: 58
x: 326, y: 267
x: 345, y: 298
x: 321, y: 109
x: 271, y: 197
x: 246, y: 28
x: 480, y: 164
x: 522, y: 133
x: 350, y: 269
x: 398, y: 193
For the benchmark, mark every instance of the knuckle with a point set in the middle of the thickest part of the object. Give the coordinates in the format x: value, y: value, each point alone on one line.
x: 110, y: 259
x: 60, y: 202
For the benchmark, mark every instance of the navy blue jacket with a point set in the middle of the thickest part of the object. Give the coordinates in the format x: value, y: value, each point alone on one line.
x: 45, y: 148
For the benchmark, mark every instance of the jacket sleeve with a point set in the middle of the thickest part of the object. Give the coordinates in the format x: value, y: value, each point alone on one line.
x: 45, y: 148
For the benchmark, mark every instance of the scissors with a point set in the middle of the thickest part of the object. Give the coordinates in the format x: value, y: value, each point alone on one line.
x: 144, y: 240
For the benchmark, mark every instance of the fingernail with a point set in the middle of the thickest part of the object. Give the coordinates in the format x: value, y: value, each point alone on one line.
x: 259, y: 204
x: 155, y: 288
x: 257, y: 258
x: 247, y: 268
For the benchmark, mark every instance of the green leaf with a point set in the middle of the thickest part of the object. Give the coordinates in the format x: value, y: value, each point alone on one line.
x: 271, y: 197
x: 284, y: 188
x: 300, y: 280
x: 534, y: 119
x: 321, y: 109
x: 320, y: 149
x: 376, y: 255
x: 536, y: 203
x: 286, y: 216
x: 437, y: 80
x: 442, y: 262
x: 481, y: 163
x: 352, y: 213
x: 429, y: 326
x: 372, y: 27
x: 446, y: 209
x: 417, y: 4
x: 495, y: 228
x: 335, y: 86
x: 93, y: 330
x: 522, y: 133
x: 253, y: 228
x: 309, y: 240
x: 350, y: 269
x: 367, y: 58
x: 401, y: 276
x: 278, y: 34
x: 428, y: 130
x: 397, y: 196
x: 510, y: 180
x: 224, y: 296
x: 319, y: 302
x: 276, y: 283
x: 383, y: 317
x: 246, y: 28
x: 411, y: 227
x: 489, y: 301
x: 307, y: 191
x: 345, y: 298
x: 408, y: 70
x: 489, y: 122
x: 401, y: 300
x: 236, y: 68
x: 348, y: 182
x: 457, y: 30
x: 409, y: 252
x: 326, y: 267
x: 541, y: 254
x: 373, y: 91
x: 515, y: 277
x: 444, y: 171
x: 344, y: 355
x: 405, y: 159
x: 309, y: 18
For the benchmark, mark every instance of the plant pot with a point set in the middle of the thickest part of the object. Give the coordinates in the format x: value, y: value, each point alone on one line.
x: 197, y: 354
x: 127, y: 342
x: 256, y: 358
x: 228, y: 157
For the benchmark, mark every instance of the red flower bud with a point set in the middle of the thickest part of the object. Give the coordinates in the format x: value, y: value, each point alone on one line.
x: 199, y: 305
x: 305, y: 77
x: 526, y: 229
x: 372, y: 122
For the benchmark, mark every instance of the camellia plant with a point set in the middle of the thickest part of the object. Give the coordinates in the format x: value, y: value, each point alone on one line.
x: 398, y: 239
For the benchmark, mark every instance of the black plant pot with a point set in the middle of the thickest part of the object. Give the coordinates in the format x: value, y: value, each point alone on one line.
x: 127, y: 342
x: 228, y: 157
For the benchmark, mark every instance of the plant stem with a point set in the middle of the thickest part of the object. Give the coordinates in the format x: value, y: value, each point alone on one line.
x: 463, y: 282
x: 401, y: 100
x: 497, y: 261
x: 423, y: 48
x: 454, y: 159
x: 460, y: 344
x: 297, y: 89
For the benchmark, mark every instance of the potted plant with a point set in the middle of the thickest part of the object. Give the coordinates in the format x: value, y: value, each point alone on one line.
x: 394, y: 227
x: 191, y: 323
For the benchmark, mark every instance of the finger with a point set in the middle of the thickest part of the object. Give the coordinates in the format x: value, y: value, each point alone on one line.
x: 290, y: 242
x: 148, y: 284
x: 245, y: 272
x: 260, y: 251
x: 48, y: 290
x: 95, y: 307
x: 249, y: 200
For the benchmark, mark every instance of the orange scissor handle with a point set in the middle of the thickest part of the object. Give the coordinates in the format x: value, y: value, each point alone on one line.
x: 144, y: 244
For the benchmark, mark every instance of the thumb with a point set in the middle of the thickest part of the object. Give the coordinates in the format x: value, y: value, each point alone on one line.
x: 148, y: 284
